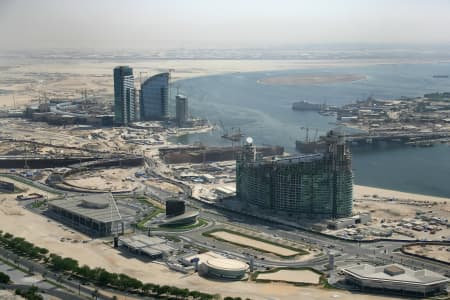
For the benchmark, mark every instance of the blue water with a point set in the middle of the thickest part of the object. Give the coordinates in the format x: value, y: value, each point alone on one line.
x: 264, y: 112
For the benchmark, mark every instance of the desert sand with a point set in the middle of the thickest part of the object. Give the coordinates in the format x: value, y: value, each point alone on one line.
x: 439, y: 252
x: 360, y: 191
x: 23, y: 81
x: 308, y: 79
x: 297, y: 276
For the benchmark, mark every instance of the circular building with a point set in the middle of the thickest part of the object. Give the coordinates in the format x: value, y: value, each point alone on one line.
x: 225, y: 268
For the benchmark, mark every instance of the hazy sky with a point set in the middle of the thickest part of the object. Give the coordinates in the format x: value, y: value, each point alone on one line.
x: 154, y: 24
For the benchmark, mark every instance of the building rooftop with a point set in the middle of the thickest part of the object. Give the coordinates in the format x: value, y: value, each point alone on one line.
x: 150, y: 245
x: 203, y: 257
x: 187, y: 216
x: 395, y: 272
x: 226, y: 264
x: 289, y: 159
x: 98, y: 207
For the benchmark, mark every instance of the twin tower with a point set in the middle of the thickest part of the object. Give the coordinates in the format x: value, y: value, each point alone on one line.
x: 153, y: 98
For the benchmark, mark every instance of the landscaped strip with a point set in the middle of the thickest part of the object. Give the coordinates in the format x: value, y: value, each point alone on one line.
x: 32, y: 184
x: 200, y: 222
x: 99, y: 276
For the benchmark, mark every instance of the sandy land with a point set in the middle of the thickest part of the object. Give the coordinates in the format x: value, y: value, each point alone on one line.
x: 9, y: 295
x: 308, y: 79
x: 113, y: 179
x: 26, y: 80
x: 390, y: 209
x: 163, y: 185
x: 27, y: 189
x: 439, y: 252
x: 297, y: 276
x: 244, y: 241
x: 360, y: 191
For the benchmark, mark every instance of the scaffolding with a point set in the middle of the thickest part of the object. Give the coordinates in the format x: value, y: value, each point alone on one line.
x: 317, y: 184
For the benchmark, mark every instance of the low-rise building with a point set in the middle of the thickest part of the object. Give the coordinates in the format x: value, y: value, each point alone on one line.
x: 95, y: 214
x: 350, y: 221
x: 214, y: 265
x: 224, y: 268
x: 396, y: 279
x: 149, y: 246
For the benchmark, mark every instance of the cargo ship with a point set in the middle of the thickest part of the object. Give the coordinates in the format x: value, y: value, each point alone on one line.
x: 235, y: 137
x: 305, y: 105
x: 440, y: 76
x: 310, y: 147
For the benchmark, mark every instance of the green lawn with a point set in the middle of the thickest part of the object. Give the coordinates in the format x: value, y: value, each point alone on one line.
x: 156, y: 211
x: 200, y: 222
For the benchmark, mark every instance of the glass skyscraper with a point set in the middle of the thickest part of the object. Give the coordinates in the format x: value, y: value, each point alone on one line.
x: 124, y: 96
x: 182, y: 113
x: 155, y: 97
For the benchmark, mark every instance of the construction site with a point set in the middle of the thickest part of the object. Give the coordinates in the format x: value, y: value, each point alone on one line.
x: 102, y: 195
x: 394, y: 215
x: 203, y: 154
x: 315, y: 185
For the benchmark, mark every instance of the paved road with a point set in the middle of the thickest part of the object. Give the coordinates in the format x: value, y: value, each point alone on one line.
x: 375, y: 252
x: 23, y: 280
x: 71, y: 285
x: 55, y: 292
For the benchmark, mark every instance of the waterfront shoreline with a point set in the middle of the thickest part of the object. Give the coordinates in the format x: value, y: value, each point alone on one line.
x: 362, y: 191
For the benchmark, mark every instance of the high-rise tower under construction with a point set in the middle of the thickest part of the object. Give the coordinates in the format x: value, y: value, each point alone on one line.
x: 315, y: 185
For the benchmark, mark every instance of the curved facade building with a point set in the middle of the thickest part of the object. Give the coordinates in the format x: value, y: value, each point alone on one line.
x: 224, y: 268
x: 154, y: 99
x: 316, y: 184
x: 124, y: 96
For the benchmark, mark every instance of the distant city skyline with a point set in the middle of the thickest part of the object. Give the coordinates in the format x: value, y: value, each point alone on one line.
x: 219, y: 24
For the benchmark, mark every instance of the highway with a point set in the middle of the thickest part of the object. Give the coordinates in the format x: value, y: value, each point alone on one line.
x: 349, y: 252
x: 374, y: 252
x: 69, y: 286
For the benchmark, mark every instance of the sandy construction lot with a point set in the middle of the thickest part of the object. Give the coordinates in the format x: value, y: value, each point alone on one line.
x: 163, y: 186
x: 244, y: 241
x: 114, y: 179
x: 26, y: 79
x: 439, y: 252
x: 27, y: 189
x: 308, y: 79
x: 297, y: 276
x: 360, y: 191
x: 393, y: 210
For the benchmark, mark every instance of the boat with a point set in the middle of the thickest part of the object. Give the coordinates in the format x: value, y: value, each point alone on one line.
x: 310, y: 147
x: 233, y: 137
x: 305, y: 105
x: 440, y: 76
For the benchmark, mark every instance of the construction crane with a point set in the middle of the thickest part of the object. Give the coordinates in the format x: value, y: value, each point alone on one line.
x: 307, y: 133
x: 307, y: 129
x: 140, y: 77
